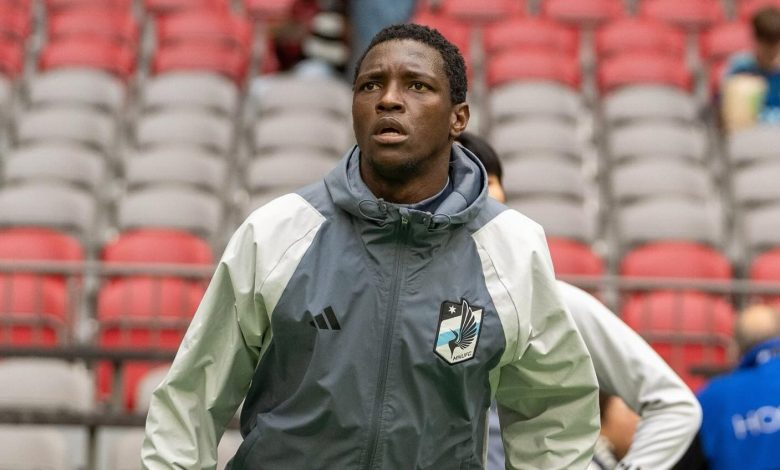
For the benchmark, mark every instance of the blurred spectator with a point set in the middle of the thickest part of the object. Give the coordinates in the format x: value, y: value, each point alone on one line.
x: 751, y: 84
x: 741, y: 425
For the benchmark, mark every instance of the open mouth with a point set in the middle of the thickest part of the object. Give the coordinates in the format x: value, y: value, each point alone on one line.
x: 389, y: 132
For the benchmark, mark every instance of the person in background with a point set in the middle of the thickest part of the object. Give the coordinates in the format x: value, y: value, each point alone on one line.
x: 649, y: 416
x: 368, y: 319
x: 750, y: 91
x: 741, y: 425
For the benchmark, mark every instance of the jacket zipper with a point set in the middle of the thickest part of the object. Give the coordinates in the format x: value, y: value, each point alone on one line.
x: 387, y: 342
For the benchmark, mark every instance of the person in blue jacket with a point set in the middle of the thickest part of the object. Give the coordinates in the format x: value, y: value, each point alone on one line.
x: 741, y: 411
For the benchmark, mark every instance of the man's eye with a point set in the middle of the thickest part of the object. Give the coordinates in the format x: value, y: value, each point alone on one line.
x: 417, y: 86
x: 370, y: 86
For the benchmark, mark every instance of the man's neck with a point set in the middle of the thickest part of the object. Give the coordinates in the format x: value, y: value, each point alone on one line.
x: 422, y: 184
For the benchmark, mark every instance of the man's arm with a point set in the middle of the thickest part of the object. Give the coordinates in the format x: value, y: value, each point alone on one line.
x: 212, y: 369
x: 628, y: 367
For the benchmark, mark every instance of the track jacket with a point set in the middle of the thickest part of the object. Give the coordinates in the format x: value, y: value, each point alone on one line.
x: 627, y: 367
x: 366, y: 335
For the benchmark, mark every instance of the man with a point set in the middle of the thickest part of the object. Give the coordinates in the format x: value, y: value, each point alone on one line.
x: 741, y: 425
x: 626, y: 367
x: 370, y: 319
x: 751, y: 85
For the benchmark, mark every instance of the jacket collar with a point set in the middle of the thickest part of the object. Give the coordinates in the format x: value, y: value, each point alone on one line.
x: 468, y: 176
x: 761, y: 353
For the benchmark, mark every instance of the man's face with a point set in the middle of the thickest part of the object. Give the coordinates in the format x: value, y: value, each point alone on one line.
x: 768, y: 55
x: 401, y: 107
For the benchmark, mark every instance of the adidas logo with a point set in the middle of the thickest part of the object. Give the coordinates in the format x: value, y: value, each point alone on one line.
x: 326, y: 320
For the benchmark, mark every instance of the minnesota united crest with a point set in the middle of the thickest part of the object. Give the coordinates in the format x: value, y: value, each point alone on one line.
x: 458, y: 333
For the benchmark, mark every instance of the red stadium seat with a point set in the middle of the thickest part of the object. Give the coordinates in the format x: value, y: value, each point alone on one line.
x: 142, y: 313
x: 33, y: 310
x: 268, y: 10
x: 686, y: 328
x: 676, y: 260
x: 748, y: 8
x: 158, y: 246
x: 456, y: 32
x: 530, y: 33
x: 112, y: 58
x: 11, y: 58
x: 631, y: 35
x: 571, y: 257
x: 230, y: 62
x: 205, y: 26
x: 118, y: 5
x: 484, y: 10
x: 766, y: 266
x: 583, y: 12
x: 692, y: 14
x: 14, y: 23
x: 643, y: 69
x: 725, y: 39
x: 165, y: 7
x: 93, y: 24
x: 39, y: 244
x: 532, y: 65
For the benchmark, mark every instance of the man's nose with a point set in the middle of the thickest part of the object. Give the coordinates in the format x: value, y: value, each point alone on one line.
x: 391, y: 99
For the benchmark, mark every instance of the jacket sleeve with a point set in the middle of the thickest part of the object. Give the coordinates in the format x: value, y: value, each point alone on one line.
x: 547, y: 393
x: 628, y: 367
x: 211, y: 372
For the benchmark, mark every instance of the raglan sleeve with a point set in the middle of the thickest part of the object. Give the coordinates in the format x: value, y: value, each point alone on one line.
x: 547, y: 393
x: 213, y: 367
x: 626, y: 366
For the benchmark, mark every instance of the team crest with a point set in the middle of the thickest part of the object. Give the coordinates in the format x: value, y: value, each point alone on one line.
x: 458, y: 332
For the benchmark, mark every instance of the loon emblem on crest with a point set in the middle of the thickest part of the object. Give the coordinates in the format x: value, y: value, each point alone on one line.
x: 458, y: 331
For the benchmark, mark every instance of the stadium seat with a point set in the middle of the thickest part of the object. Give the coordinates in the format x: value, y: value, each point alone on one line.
x: 747, y: 8
x: 54, y: 6
x: 632, y: 35
x: 722, y: 40
x: 171, y: 207
x: 268, y: 11
x: 190, y: 89
x: 543, y: 176
x: 689, y: 14
x: 649, y: 178
x: 521, y: 65
x: 287, y: 94
x: 302, y: 130
x: 67, y: 124
x: 287, y: 171
x: 761, y: 227
x: 582, y: 12
x: 38, y: 244
x: 571, y: 257
x: 757, y: 184
x: 669, y: 218
x: 469, y: 11
x: 95, y: 23
x: 166, y: 7
x: 99, y: 55
x: 657, y: 102
x: 56, y: 162
x: 190, y: 56
x: 185, y: 127
x: 25, y: 447
x: 45, y: 385
x: 14, y: 22
x: 766, y: 266
x: 456, y: 32
x: 176, y: 165
x: 684, y: 260
x: 157, y: 246
x: 199, y: 26
x: 77, y: 86
x: 11, y: 59
x: 657, y: 139
x: 536, y: 137
x: 755, y: 143
x: 560, y: 218
x: 686, y: 328
x: 51, y: 205
x: 521, y: 99
x: 33, y: 310
x: 530, y: 34
x: 643, y: 68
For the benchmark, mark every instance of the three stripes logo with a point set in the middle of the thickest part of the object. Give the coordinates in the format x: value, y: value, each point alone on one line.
x: 326, y: 320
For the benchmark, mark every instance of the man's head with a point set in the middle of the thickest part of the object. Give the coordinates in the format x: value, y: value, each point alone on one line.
x: 489, y: 158
x: 755, y: 325
x: 766, y: 33
x: 408, y: 101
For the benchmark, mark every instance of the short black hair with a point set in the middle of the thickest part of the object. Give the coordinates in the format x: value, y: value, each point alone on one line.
x: 766, y: 25
x: 484, y: 152
x: 454, y: 65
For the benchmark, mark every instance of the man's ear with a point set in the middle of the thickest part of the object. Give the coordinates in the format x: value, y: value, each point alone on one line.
x: 459, y: 119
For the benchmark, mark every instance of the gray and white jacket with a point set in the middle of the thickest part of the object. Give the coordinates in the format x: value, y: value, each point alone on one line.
x: 366, y: 335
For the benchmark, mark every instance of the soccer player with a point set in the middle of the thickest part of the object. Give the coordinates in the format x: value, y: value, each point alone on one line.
x: 626, y: 367
x: 368, y: 320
